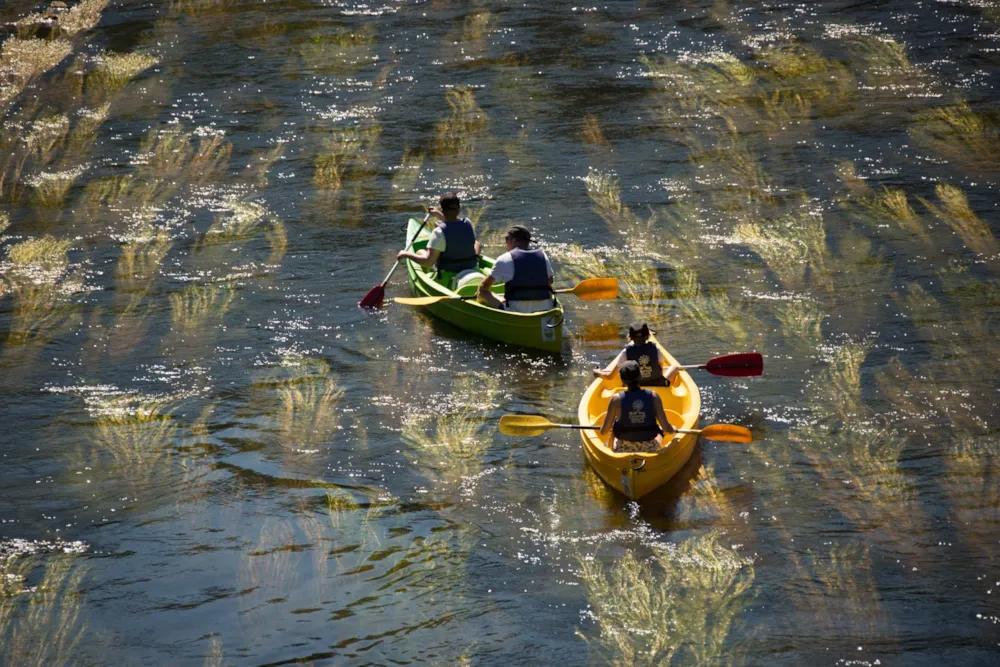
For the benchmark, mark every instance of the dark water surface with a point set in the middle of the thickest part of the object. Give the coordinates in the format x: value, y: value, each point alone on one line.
x: 211, y: 456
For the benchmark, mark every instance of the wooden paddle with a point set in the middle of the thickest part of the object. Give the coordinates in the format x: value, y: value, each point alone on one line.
x: 376, y: 294
x: 589, y: 290
x: 528, y: 425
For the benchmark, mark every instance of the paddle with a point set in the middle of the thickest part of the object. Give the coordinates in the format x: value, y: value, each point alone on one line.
x: 589, y: 290
x: 528, y: 425
x: 733, y: 365
x: 376, y: 294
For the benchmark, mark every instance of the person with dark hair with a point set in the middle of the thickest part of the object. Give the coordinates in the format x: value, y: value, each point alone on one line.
x: 525, y: 273
x: 645, y: 353
x: 452, y: 245
x: 635, y: 416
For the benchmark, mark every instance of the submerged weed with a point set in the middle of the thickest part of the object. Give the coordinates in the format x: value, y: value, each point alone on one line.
x: 682, y: 604
x: 959, y: 134
x: 113, y: 71
x: 37, y: 273
x: 953, y: 209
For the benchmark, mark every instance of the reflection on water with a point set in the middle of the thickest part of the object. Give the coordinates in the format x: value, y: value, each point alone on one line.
x: 195, y: 194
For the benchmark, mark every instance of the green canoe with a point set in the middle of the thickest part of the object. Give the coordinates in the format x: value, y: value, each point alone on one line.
x: 541, y: 331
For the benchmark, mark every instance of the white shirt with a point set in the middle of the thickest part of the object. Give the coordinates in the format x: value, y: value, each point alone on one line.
x: 437, y: 240
x: 503, y: 271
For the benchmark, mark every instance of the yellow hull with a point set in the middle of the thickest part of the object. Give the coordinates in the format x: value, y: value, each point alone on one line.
x: 637, y: 474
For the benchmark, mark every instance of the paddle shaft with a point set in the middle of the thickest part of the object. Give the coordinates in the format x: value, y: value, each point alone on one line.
x: 597, y: 428
x: 399, y: 261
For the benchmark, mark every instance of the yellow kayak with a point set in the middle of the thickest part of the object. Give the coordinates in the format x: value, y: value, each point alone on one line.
x: 636, y: 474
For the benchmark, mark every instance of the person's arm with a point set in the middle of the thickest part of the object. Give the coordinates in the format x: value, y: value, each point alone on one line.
x: 479, y: 249
x: 661, y: 416
x: 614, y: 409
x: 608, y: 370
x: 670, y: 373
x: 425, y: 257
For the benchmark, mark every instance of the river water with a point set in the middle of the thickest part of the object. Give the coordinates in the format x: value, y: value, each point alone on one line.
x: 211, y: 456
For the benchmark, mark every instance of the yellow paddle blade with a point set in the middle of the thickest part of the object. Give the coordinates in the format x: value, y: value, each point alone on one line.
x: 524, y: 425
x: 594, y: 289
x: 419, y: 300
x: 727, y: 433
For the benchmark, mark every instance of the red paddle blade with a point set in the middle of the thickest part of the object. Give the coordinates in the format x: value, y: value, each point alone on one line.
x: 374, y: 297
x: 737, y: 365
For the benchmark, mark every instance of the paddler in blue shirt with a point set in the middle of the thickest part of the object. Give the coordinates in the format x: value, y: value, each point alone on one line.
x: 644, y: 352
x: 452, y: 245
x: 635, y: 416
x: 526, y: 275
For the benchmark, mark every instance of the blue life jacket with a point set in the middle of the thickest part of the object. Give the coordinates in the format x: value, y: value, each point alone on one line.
x: 531, y: 276
x: 637, y: 422
x: 648, y: 358
x: 460, y: 246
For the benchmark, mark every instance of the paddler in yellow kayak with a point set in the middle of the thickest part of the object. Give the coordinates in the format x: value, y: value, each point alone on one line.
x: 644, y: 352
x: 635, y: 416
x: 452, y: 246
x: 526, y: 274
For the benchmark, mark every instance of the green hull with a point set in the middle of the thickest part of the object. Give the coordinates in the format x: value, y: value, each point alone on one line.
x: 540, y: 331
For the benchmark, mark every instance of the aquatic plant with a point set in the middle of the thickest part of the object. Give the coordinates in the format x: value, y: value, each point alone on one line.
x: 792, y: 245
x: 640, y: 236
x: 592, y: 133
x: 350, y: 149
x: 214, y: 654
x: 84, y: 133
x: 113, y: 71
x: 715, y: 311
x: 210, y: 161
x: 22, y: 60
x: 682, y: 604
x: 846, y: 171
x: 165, y: 152
x: 244, y: 220
x: 837, y: 389
x: 958, y: 134
x: 954, y: 211
x: 338, y: 503
x: 309, y: 404
x: 38, y: 275
x: 801, y: 322
x: 45, y: 137
x: 137, y: 430
x: 891, y: 206
x: 266, y: 564
x: 195, y: 307
x: 837, y: 583
x: 141, y: 257
x: 404, y: 180
x: 448, y: 447
x: 277, y: 236
x: 478, y: 26
x: 458, y: 134
x: 256, y: 171
x: 39, y: 625
x: 341, y: 52
x: 194, y: 7
x: 51, y: 188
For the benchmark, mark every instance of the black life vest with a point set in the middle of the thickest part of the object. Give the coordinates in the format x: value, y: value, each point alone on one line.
x: 460, y: 246
x: 531, y: 276
x: 637, y: 422
x: 648, y: 358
